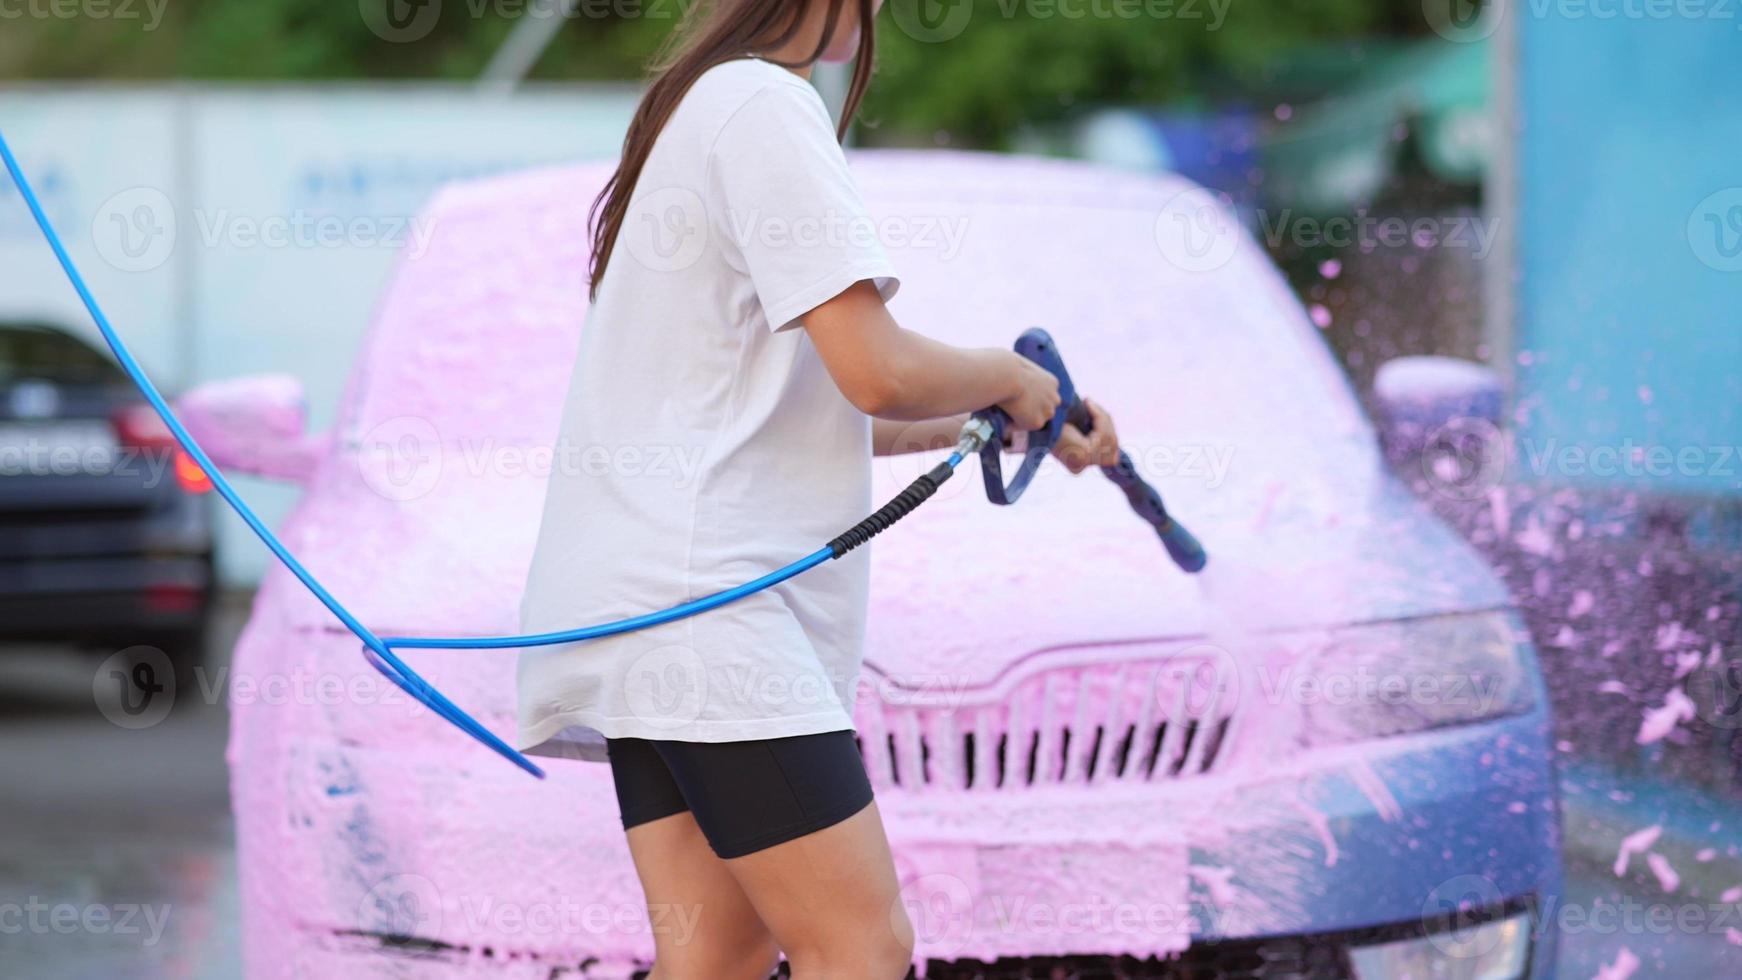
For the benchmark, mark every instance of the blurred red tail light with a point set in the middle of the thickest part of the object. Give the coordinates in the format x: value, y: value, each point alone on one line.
x: 138, y: 426
x: 189, y: 475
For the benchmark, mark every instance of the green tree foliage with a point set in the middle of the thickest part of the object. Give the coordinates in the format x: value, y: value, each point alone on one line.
x: 1003, y: 62
x: 1028, y: 61
x: 306, y: 40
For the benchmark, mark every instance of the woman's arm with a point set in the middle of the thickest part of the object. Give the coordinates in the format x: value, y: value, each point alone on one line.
x: 892, y: 373
x: 891, y: 437
x: 921, y: 391
x: 1077, y: 451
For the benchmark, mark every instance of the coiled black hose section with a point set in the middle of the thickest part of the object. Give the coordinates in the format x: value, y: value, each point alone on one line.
x: 904, y: 502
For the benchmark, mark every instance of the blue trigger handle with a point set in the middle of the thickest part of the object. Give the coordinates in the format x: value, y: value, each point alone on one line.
x: 1036, y: 345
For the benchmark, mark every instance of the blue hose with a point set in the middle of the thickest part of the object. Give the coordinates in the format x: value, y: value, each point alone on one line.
x: 634, y: 623
x: 379, y: 651
x: 629, y: 625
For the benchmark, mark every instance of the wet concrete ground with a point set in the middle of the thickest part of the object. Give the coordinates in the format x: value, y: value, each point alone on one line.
x: 117, y: 854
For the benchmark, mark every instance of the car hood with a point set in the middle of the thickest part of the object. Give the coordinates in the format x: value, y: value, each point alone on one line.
x: 966, y: 589
x: 959, y: 586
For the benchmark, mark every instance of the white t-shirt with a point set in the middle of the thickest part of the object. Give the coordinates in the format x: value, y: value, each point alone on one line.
x: 704, y: 444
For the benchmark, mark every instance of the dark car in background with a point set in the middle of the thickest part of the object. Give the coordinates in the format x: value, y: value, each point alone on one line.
x: 105, y: 523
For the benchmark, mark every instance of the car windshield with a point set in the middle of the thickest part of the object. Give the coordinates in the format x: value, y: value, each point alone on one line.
x: 41, y: 352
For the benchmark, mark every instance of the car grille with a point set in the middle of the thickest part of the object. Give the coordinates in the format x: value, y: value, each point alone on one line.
x: 1146, y: 719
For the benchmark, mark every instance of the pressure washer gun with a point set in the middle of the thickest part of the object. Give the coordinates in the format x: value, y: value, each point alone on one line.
x: 986, y: 431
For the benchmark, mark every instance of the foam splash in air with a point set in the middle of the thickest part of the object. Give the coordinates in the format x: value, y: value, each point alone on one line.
x: 1677, y: 709
x: 1242, y: 598
x: 1244, y: 605
x: 1625, y: 965
x: 1637, y: 842
x: 1667, y: 878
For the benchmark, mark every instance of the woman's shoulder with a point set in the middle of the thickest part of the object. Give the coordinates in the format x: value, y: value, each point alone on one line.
x: 732, y: 84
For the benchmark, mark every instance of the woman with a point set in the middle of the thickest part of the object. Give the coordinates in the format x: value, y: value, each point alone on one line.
x: 739, y: 337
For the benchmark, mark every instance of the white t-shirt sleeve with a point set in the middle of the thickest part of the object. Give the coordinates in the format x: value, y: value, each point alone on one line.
x: 786, y: 207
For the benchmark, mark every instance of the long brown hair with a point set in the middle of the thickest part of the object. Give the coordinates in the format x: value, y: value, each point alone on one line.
x: 713, y: 32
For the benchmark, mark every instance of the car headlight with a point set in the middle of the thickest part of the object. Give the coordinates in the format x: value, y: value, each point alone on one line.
x: 1498, y: 950
x: 1414, y: 675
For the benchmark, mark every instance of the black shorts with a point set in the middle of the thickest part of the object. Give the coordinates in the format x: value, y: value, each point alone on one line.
x: 746, y: 796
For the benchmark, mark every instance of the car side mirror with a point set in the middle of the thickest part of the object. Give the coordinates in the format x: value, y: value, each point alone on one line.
x: 254, y: 425
x: 1418, y: 398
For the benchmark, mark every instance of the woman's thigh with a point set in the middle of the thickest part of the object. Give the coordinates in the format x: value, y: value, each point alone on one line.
x: 793, y: 822
x: 704, y: 926
x: 832, y: 900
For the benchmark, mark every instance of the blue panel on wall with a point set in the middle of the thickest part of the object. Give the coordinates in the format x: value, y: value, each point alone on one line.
x: 1629, y: 313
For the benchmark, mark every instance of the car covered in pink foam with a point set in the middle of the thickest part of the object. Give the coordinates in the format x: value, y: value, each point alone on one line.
x: 1325, y: 757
